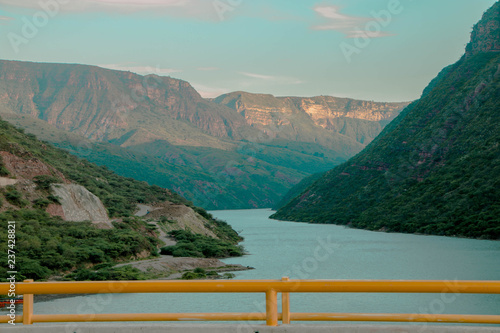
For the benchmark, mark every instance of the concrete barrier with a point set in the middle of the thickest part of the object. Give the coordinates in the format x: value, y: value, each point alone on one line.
x: 241, y: 328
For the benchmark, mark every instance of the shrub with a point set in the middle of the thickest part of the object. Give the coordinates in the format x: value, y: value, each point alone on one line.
x: 41, y: 203
x: 16, y: 198
x: 54, y: 199
x: 200, y: 246
x: 43, y: 182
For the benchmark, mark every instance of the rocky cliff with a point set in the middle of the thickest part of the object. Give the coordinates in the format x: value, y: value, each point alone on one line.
x: 272, y: 114
x: 238, y: 151
x: 485, y: 35
x: 78, y: 204
x: 262, y: 109
x: 108, y: 105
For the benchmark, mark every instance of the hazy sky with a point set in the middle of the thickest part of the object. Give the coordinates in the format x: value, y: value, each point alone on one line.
x: 383, y: 50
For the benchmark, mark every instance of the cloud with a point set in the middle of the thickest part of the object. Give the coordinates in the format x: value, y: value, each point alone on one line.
x: 209, y: 92
x: 5, y: 20
x: 208, y: 68
x: 351, y: 26
x: 142, y: 70
x: 277, y: 79
x: 258, y: 76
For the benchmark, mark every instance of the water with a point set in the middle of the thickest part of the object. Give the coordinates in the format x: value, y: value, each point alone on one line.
x: 312, y: 251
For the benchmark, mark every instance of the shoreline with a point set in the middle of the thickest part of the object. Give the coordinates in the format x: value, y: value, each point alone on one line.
x: 163, y: 266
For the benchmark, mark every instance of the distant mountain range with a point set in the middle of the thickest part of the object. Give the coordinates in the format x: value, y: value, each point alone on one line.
x: 435, y: 169
x: 239, y: 150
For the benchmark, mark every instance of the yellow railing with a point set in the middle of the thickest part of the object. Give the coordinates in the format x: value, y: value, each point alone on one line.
x: 271, y: 288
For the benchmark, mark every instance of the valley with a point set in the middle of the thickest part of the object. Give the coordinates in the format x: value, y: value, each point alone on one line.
x: 239, y: 150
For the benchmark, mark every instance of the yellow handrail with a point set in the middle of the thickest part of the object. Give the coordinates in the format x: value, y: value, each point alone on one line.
x: 270, y: 287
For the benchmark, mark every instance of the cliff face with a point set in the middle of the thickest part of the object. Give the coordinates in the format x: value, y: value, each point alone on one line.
x: 307, y: 116
x: 107, y: 105
x: 78, y: 204
x: 238, y: 151
x: 436, y: 168
x: 485, y: 36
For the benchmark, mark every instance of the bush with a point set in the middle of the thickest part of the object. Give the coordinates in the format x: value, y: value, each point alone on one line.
x: 15, y: 197
x: 106, y: 274
x: 200, y: 246
x: 43, y: 182
x: 54, y: 199
x: 47, y: 246
x: 41, y: 203
x: 194, y: 275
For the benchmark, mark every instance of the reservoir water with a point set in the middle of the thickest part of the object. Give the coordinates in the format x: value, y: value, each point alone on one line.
x: 318, y: 251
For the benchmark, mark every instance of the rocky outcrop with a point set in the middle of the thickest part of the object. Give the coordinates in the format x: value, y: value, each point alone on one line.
x: 105, y: 105
x: 485, y: 36
x: 27, y: 167
x: 4, y: 181
x: 271, y: 114
x: 178, y: 216
x: 78, y: 204
x: 264, y: 109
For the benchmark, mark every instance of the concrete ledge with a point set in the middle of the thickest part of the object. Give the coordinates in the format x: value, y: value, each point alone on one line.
x: 241, y: 328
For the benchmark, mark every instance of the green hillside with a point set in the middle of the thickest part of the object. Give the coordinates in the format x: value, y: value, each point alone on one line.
x: 160, y: 130
x: 46, y: 246
x: 436, y: 168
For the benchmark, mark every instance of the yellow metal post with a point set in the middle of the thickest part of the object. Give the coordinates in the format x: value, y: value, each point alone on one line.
x: 285, y: 304
x: 271, y: 308
x: 28, y: 307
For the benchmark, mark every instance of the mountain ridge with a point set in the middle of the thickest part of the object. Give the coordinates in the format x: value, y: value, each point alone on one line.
x: 207, y: 151
x: 435, y: 168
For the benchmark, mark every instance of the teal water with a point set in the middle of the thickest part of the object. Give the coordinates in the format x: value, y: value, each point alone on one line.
x: 312, y: 251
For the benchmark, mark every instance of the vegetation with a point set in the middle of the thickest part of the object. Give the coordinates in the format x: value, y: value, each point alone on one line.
x: 200, y: 246
x: 434, y: 170
x: 299, y: 188
x: 15, y: 197
x: 118, y: 194
x: 47, y: 246
x: 107, y: 273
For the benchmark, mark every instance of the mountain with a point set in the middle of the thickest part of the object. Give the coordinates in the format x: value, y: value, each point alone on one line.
x: 436, y: 168
x: 70, y: 214
x: 239, y: 150
x: 314, y: 119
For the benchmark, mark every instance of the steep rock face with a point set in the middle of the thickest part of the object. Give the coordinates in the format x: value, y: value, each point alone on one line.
x: 486, y: 33
x: 435, y: 169
x: 226, y: 153
x: 78, y: 204
x: 270, y: 114
x: 104, y: 105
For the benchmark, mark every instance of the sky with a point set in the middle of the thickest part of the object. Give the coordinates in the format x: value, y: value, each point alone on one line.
x: 381, y: 50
